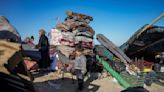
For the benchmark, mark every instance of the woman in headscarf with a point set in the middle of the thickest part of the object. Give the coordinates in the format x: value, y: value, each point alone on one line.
x: 43, y: 47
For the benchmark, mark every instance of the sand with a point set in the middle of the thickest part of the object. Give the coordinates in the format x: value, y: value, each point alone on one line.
x: 53, y: 82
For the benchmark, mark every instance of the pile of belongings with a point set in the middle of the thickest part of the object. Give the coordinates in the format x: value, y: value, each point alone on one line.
x: 32, y: 53
x: 11, y: 53
x: 7, y: 31
x: 31, y: 56
x: 10, y: 34
x: 30, y: 64
x: 117, y: 64
x: 74, y: 31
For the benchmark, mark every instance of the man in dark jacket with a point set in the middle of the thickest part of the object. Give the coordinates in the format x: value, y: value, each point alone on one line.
x: 43, y: 46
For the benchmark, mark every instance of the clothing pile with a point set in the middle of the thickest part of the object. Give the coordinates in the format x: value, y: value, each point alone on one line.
x: 7, y: 31
x: 74, y: 31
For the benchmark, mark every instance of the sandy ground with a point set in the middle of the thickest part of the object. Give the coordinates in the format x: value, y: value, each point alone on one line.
x: 52, y: 82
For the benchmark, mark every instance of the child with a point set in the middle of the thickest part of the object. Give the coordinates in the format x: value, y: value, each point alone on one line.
x: 80, y: 67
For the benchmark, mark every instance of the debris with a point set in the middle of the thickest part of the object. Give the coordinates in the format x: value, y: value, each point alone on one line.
x: 113, y: 48
x: 112, y: 72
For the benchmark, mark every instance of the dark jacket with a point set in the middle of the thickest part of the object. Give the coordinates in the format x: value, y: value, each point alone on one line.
x: 43, y: 46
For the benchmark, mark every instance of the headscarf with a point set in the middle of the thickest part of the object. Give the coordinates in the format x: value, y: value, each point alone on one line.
x: 42, y: 31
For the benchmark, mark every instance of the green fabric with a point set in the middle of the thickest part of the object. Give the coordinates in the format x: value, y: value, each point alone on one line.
x: 118, y: 77
x: 134, y: 81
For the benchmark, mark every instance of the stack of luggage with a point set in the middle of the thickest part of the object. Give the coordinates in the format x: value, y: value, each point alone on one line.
x: 74, y: 31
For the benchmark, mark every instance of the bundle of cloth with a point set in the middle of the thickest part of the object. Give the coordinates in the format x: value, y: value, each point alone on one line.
x: 8, y: 32
x: 74, y: 31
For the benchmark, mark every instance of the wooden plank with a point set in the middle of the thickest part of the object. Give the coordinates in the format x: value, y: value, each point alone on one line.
x: 14, y: 60
x: 154, y: 21
x: 113, y: 48
x: 137, y: 34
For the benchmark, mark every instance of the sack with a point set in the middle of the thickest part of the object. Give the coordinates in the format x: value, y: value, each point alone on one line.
x: 53, y: 64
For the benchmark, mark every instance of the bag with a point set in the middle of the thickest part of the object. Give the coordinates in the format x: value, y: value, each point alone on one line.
x: 53, y: 64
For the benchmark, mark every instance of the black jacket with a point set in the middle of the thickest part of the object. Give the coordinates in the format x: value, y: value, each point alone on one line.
x: 43, y: 44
